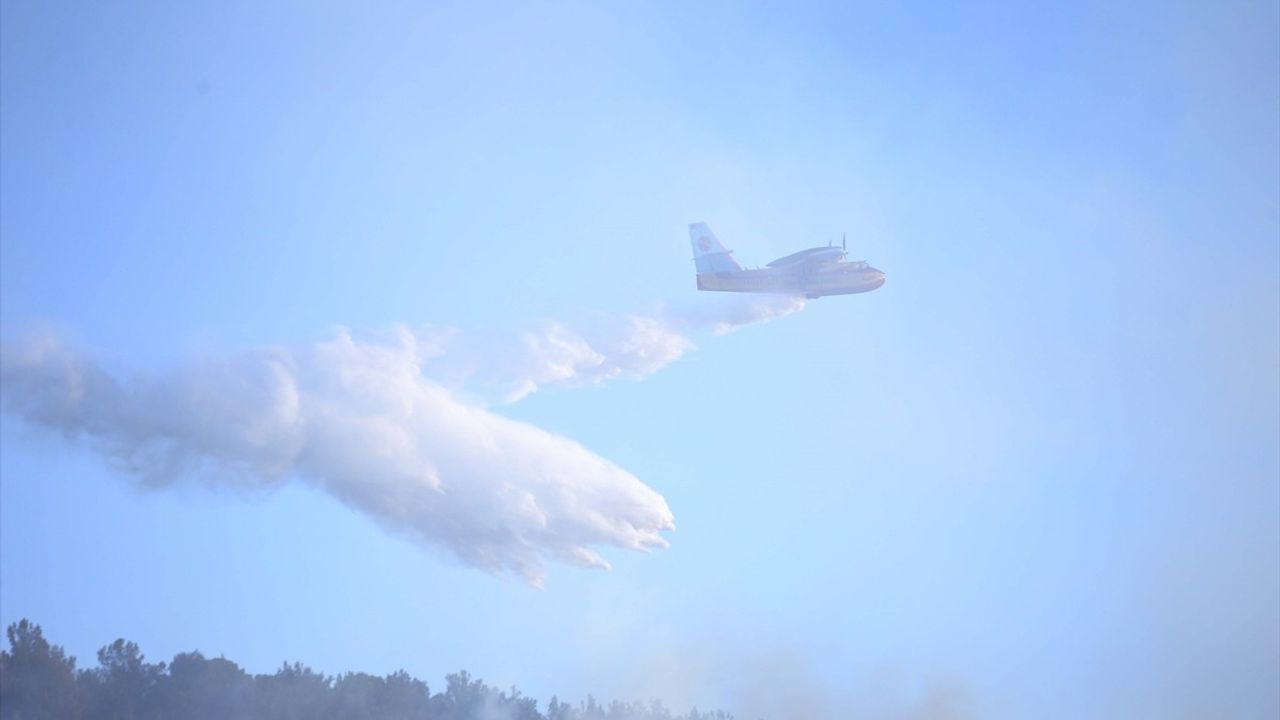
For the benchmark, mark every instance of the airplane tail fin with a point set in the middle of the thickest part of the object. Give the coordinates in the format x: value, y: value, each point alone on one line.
x: 709, y: 254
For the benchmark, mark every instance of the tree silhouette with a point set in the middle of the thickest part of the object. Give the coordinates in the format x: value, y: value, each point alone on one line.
x: 202, y: 689
x: 39, y: 682
x: 124, y: 685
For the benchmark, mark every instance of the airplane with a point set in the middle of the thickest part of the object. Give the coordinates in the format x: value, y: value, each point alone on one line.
x: 813, y: 273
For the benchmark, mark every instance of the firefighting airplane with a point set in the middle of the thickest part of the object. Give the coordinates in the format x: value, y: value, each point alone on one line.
x: 813, y: 273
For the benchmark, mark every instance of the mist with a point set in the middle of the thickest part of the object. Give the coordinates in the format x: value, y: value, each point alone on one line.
x: 560, y: 355
x: 362, y: 419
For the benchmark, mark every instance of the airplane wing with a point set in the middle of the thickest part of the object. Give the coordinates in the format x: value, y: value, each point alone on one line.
x: 812, y: 257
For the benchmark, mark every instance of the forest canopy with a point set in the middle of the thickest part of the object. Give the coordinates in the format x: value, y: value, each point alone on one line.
x: 39, y: 681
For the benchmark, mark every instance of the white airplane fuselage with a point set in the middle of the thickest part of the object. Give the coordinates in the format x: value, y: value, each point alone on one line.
x: 832, y: 279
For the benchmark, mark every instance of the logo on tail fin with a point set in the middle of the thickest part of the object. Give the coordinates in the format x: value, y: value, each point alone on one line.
x: 709, y: 254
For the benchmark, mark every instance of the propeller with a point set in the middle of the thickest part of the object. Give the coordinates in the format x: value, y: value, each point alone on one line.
x: 843, y: 242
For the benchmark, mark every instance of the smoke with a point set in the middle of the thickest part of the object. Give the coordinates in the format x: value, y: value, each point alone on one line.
x: 364, y: 421
x: 783, y: 684
x: 786, y: 687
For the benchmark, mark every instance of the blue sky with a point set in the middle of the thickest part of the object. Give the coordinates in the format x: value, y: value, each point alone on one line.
x: 1039, y: 468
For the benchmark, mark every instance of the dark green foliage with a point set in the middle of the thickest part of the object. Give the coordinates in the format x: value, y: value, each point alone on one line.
x: 123, y: 687
x: 39, y: 682
x: 395, y: 697
x: 206, y: 689
x: 295, y: 692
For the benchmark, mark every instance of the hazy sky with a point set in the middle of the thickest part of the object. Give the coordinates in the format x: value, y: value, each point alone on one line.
x: 1037, y: 474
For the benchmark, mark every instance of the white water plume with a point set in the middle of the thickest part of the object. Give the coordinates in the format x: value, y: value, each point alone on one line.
x: 364, y: 421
